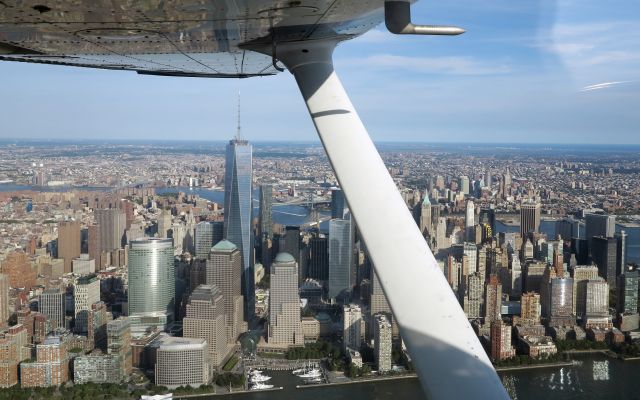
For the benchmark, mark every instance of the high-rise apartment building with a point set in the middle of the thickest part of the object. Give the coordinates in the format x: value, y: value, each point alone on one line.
x: 119, y: 343
x: 94, y: 243
x: 529, y: 218
x: 151, y: 283
x: 51, y: 367
x: 224, y: 271
x: 474, y: 299
x: 340, y: 258
x: 501, y: 347
x: 4, y: 300
x: 112, y: 223
x: 205, y: 319
x: 238, y: 210
x: 68, y: 242
x: 17, y: 267
x: 493, y: 300
x: 351, y: 326
x: 530, y: 308
x: 52, y: 304
x: 382, y: 342
x: 469, y: 220
x: 285, y: 327
x: 86, y: 292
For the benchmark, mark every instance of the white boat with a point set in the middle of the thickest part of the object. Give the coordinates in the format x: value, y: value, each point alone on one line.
x: 312, y: 373
x: 299, y: 371
x: 167, y: 396
x: 255, y: 372
x: 314, y: 380
x: 259, y: 378
x: 260, y: 386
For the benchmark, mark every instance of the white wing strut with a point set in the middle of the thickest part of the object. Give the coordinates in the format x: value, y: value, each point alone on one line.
x: 449, y: 359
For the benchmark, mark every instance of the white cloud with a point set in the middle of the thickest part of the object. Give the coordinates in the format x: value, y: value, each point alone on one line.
x: 451, y: 65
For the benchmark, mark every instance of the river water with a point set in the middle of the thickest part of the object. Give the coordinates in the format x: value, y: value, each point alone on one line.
x: 594, y: 377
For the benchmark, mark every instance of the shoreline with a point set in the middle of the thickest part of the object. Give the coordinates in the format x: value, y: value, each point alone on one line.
x: 356, y: 381
x: 535, y: 366
x: 187, y: 396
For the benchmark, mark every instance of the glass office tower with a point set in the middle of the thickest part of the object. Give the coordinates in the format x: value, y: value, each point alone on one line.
x: 238, y: 213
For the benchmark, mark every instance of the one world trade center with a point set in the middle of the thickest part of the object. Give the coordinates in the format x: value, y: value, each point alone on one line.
x: 238, y: 213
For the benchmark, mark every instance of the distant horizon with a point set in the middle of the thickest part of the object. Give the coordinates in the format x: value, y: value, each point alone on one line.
x: 312, y: 142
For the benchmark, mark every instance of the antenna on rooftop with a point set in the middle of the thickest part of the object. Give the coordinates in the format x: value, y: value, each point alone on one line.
x: 238, y: 136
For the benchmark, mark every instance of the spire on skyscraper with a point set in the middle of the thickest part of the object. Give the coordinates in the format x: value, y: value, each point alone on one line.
x: 238, y: 136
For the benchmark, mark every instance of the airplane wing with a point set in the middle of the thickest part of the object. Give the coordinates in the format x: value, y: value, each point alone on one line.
x: 177, y: 38
x: 243, y: 38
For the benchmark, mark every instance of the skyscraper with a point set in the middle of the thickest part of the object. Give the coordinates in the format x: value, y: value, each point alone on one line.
x: 493, y: 300
x: 351, y: 326
x: 501, y: 347
x: 561, y: 302
x: 292, y: 246
x: 52, y: 305
x: 627, y: 300
x: 94, y: 249
x: 338, y: 203
x: 464, y: 184
x: 474, y: 300
x: 285, y: 325
x: 182, y: 362
x: 164, y: 223
x: 85, y: 294
x: 529, y: 218
x: 382, y: 342
x: 4, y: 300
x: 119, y: 342
x: 238, y: 213
x: 581, y: 273
x: 604, y: 253
x: 621, y: 251
x: 530, y: 308
x: 208, y: 233
x: 600, y: 225
x: 340, y: 258
x: 205, y: 319
x: 68, y: 242
x: 223, y: 271
x: 319, y: 258
x: 469, y: 220
x: 425, y: 216
x: 265, y: 222
x: 17, y: 267
x: 151, y: 283
x: 112, y: 224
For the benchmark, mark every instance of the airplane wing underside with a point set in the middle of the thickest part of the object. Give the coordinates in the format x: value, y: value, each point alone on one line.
x: 178, y: 38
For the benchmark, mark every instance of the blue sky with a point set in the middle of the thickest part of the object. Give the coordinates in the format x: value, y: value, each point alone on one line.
x: 543, y: 72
